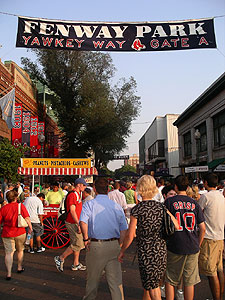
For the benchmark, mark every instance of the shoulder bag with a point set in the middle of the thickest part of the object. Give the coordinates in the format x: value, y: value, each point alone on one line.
x: 168, y: 227
x: 21, y: 221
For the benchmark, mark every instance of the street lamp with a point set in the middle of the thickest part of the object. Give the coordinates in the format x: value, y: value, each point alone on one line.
x: 41, y: 139
x: 197, y: 136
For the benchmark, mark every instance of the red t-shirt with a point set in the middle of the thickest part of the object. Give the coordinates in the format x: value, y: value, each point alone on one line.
x: 9, y: 218
x: 73, y: 198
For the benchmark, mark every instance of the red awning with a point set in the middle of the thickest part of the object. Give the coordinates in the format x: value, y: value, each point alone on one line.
x: 57, y: 171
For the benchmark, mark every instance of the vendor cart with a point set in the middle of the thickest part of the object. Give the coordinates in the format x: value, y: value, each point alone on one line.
x: 55, y: 233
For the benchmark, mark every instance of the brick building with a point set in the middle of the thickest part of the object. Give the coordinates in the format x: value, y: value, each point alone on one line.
x: 132, y: 161
x: 26, y: 94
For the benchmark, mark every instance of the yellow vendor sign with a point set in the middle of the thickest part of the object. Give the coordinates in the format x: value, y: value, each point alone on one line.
x: 55, y: 162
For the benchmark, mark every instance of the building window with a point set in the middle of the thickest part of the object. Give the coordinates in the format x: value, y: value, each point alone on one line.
x: 156, y: 150
x: 152, y: 152
x: 219, y: 129
x: 201, y: 143
x: 161, y: 148
x: 187, y: 144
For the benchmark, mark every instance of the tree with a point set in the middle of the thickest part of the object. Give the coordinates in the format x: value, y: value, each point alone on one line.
x: 126, y: 169
x: 10, y: 160
x: 105, y: 171
x: 91, y: 113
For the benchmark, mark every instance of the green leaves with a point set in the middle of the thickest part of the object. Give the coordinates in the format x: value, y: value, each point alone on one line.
x: 10, y: 160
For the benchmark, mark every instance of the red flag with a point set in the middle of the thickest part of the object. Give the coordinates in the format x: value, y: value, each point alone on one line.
x: 33, y: 136
x: 17, y: 129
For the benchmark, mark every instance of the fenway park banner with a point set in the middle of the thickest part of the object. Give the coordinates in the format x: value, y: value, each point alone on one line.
x: 99, y: 36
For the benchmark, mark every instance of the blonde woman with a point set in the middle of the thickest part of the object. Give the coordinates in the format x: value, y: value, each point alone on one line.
x: 193, y: 192
x: 148, y: 216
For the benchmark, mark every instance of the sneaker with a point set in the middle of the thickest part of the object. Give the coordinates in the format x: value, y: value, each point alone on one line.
x: 163, y: 291
x: 40, y: 249
x: 31, y: 250
x: 179, y: 295
x: 58, y: 263
x: 79, y: 267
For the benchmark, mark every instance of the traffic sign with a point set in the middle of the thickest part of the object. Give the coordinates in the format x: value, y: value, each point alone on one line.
x: 121, y: 157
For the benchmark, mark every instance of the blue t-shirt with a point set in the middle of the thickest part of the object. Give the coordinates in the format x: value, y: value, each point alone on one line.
x: 104, y: 217
x: 188, y: 214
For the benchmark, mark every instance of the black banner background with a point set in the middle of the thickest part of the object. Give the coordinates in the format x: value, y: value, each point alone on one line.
x: 93, y: 36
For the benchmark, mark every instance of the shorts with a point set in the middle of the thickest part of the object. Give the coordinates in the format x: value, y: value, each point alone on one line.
x: 12, y: 244
x: 76, y: 239
x: 211, y: 257
x: 182, y: 266
x: 38, y: 230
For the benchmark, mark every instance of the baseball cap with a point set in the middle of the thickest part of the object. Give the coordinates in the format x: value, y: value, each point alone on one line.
x: 80, y: 180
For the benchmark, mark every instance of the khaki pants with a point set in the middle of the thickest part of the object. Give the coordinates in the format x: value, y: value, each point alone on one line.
x: 211, y: 257
x: 11, y: 244
x: 103, y: 256
x: 76, y: 239
x: 182, y: 266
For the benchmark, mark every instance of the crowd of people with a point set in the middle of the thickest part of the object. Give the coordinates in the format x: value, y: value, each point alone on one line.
x: 105, y: 218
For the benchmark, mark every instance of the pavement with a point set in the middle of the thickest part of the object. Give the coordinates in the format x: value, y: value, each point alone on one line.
x: 42, y: 281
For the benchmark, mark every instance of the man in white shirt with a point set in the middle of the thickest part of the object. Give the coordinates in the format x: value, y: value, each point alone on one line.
x: 19, y: 187
x: 118, y: 197
x: 65, y: 188
x: 211, y: 252
x: 202, y: 189
x: 159, y: 197
x: 34, y: 207
x: 9, y: 188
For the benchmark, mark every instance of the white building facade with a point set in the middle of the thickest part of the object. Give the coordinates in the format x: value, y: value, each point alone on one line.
x: 158, y: 147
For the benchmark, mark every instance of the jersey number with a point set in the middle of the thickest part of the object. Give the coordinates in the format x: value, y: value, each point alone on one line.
x: 188, y: 216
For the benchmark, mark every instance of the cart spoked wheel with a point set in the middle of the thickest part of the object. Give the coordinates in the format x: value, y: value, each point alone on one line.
x: 55, y: 234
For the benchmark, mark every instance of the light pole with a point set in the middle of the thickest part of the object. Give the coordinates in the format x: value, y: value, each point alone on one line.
x: 41, y: 139
x: 197, y: 136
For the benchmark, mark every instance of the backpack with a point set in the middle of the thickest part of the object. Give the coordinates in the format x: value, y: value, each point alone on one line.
x: 63, y: 213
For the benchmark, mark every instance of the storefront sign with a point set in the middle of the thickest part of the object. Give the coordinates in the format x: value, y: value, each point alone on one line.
x: 196, y: 169
x: 220, y: 168
x: 88, y: 179
x: 55, y: 163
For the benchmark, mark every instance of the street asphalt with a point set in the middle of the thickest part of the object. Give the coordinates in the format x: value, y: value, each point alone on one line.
x: 42, y: 281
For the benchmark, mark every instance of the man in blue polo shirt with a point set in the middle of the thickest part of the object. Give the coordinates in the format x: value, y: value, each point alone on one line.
x: 103, y: 225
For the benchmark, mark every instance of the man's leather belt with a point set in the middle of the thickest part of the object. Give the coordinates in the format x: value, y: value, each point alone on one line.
x: 108, y: 240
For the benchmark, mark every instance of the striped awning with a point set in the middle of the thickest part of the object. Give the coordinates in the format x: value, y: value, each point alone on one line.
x: 57, y: 171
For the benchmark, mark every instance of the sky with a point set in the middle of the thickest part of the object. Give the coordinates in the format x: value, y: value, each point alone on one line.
x: 167, y: 81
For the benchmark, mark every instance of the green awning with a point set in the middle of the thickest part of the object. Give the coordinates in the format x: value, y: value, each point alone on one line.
x: 214, y: 163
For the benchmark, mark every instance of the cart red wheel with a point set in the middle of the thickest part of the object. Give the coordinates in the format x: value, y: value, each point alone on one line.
x: 55, y: 234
